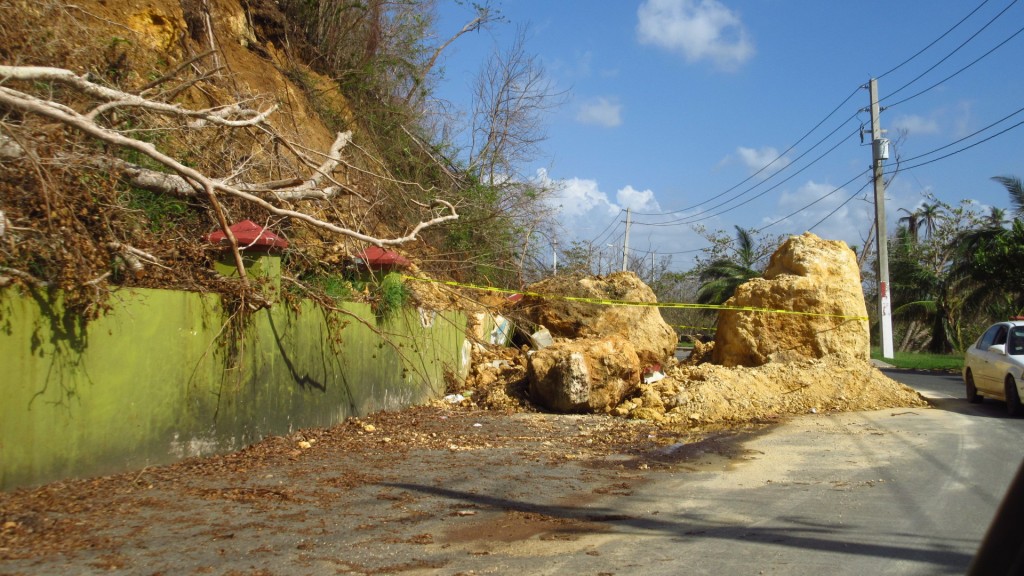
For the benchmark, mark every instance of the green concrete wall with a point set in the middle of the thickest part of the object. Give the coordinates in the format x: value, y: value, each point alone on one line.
x: 162, y: 377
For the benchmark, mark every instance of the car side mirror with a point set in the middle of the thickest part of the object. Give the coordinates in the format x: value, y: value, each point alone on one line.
x: 998, y: 348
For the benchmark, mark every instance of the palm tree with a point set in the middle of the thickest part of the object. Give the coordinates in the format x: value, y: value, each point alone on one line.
x: 917, y: 298
x: 1016, y: 191
x: 930, y: 214
x: 721, y: 277
x: 988, y: 271
x: 912, y: 220
x: 996, y: 217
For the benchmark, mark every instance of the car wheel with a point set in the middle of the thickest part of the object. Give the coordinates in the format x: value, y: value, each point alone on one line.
x: 972, y: 391
x: 1013, y: 407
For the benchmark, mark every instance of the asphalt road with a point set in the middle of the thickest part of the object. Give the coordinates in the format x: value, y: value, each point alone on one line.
x: 903, y: 491
x: 884, y: 492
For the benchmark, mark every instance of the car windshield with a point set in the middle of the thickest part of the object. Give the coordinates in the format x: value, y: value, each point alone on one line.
x: 1015, y: 343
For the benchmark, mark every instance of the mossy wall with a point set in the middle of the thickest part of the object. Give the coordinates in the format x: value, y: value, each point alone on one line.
x: 165, y: 375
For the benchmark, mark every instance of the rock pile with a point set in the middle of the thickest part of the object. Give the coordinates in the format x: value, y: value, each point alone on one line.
x: 584, y: 375
x: 643, y: 326
x: 761, y: 366
x: 819, y: 281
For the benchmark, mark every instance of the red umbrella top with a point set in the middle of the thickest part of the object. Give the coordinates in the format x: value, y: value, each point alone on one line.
x: 378, y: 258
x: 250, y: 236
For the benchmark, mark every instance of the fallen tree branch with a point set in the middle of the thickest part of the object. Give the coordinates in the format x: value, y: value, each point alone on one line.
x: 134, y: 257
x: 6, y: 274
x: 186, y: 177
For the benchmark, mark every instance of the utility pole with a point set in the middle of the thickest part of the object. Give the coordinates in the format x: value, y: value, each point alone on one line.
x: 625, y: 242
x: 879, y: 154
x: 554, y: 257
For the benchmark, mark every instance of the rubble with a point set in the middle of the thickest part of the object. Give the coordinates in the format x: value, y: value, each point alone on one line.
x: 654, y: 340
x: 709, y: 396
x: 584, y: 375
x: 763, y: 365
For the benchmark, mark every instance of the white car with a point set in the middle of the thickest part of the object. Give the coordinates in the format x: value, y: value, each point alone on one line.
x: 994, y: 366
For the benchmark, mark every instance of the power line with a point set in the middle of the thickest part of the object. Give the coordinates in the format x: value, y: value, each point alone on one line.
x: 958, y: 72
x: 971, y: 135
x: 903, y: 167
x: 693, y: 218
x: 845, y: 202
x: 812, y: 130
x: 955, y: 50
x: 766, y: 166
x: 933, y: 42
x: 608, y: 227
x: 964, y: 149
x: 806, y: 206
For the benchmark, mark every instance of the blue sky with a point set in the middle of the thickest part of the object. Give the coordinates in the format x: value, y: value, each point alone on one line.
x: 672, y: 103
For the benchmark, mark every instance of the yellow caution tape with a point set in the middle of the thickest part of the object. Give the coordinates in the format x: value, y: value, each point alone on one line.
x: 685, y: 305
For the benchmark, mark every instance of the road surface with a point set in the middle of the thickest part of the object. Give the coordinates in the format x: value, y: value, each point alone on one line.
x: 904, y: 491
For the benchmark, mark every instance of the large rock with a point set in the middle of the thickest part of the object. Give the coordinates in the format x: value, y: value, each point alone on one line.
x: 654, y: 340
x: 818, y: 279
x: 585, y: 375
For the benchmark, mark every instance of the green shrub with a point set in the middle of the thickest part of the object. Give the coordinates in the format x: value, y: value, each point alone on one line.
x: 390, y: 297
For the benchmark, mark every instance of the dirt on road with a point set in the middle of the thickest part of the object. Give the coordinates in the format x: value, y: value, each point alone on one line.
x: 407, y: 492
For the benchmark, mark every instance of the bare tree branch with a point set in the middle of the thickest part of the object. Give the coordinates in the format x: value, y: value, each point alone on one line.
x: 185, y: 177
x: 483, y: 16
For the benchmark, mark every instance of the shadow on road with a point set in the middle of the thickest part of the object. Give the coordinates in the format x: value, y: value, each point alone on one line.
x: 945, y: 391
x: 813, y: 536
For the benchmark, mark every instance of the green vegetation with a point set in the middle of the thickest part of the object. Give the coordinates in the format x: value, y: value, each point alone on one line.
x: 336, y: 286
x: 921, y: 360
x: 720, y: 277
x: 962, y: 275
x: 162, y: 211
x: 390, y: 296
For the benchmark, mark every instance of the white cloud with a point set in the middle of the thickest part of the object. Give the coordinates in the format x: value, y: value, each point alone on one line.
x: 962, y: 119
x: 587, y: 214
x: 696, y: 29
x: 601, y: 112
x: 849, y: 222
x: 915, y: 125
x: 766, y: 160
x: 642, y: 200
x: 582, y: 197
x: 575, y: 197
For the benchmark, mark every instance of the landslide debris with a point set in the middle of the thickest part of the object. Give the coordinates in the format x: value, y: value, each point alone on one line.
x: 642, y: 326
x: 762, y: 365
x: 818, y: 281
x: 584, y: 375
x: 710, y: 396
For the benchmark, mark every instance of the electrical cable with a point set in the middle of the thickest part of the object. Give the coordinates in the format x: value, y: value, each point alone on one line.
x: 692, y: 219
x: 608, y: 227
x: 845, y: 202
x: 933, y: 42
x: 904, y: 167
x: 766, y: 166
x: 805, y: 207
x: 811, y: 131
x: 940, y: 82
x: 964, y: 149
x: 955, y: 50
x: 971, y: 135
